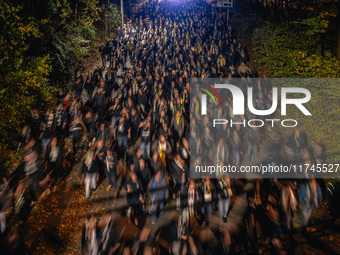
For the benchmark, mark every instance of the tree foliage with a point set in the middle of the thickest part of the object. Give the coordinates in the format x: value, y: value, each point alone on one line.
x: 42, y: 43
x: 24, y: 78
x: 293, y: 52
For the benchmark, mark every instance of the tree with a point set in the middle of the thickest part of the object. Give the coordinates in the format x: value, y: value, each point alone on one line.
x: 41, y: 45
x: 24, y: 78
x: 294, y: 52
x: 314, y: 18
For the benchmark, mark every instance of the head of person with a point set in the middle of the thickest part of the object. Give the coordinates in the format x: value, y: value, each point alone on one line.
x: 141, y: 164
x: 162, y: 139
x: 133, y: 176
x: 54, y: 142
x: 297, y: 133
x: 155, y: 156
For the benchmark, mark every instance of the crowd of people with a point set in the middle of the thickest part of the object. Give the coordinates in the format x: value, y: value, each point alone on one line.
x: 134, y: 110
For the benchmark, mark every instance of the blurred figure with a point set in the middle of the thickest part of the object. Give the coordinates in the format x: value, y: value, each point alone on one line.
x: 225, y: 193
x: 310, y: 197
x: 208, y: 192
x: 289, y: 203
x: 47, y: 127
x: 156, y: 163
x: 146, y: 135
x: 163, y: 147
x: 3, y: 195
x: 90, y: 123
x: 13, y: 243
x: 25, y: 136
x: 236, y: 148
x: 90, y: 173
x: 122, y: 134
x: 76, y: 129
x: 274, y: 227
x: 178, y: 237
x: 144, y: 174
x: 3, y: 208
x: 110, y: 162
x: 134, y: 189
x: 221, y: 153
x: 54, y: 158
x: 177, y: 168
x: 295, y: 145
x: 108, y: 236
x: 253, y: 139
x: 158, y: 194
x: 103, y: 134
x: 177, y: 124
x: 193, y: 196
x: 33, y: 173
x: 89, y: 241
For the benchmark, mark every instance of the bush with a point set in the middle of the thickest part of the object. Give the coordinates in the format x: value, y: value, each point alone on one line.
x: 69, y: 47
x: 292, y: 53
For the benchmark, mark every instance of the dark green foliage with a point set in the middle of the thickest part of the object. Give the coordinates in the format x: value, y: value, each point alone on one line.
x: 293, y: 51
x: 69, y: 47
x: 42, y: 43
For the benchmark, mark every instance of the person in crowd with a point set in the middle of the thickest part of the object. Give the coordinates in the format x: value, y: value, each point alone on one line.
x: 33, y: 173
x: 115, y: 110
x: 110, y: 162
x: 288, y: 203
x: 122, y: 133
x: 100, y: 102
x: 35, y: 123
x: 144, y: 174
x: 76, y: 130
x: 177, y: 169
x: 243, y: 69
x: 208, y: 192
x: 158, y: 194
x: 103, y: 54
x: 296, y: 144
x: 103, y: 134
x: 54, y: 159
x: 89, y: 240
x: 135, y: 122
x: 162, y: 147
x: 225, y: 193
x: 310, y: 197
x: 90, y: 173
x: 134, y: 189
x: 221, y: 154
x: 236, y: 148
x: 3, y: 196
x: 78, y: 84
x: 47, y: 128
x: 14, y: 243
x: 178, y: 237
x: 108, y: 236
x: 99, y: 152
x: 146, y: 135
x: 253, y: 139
x: 177, y: 124
x: 156, y: 163
x: 90, y: 123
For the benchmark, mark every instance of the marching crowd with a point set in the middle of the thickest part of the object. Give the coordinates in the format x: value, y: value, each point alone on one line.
x: 134, y: 110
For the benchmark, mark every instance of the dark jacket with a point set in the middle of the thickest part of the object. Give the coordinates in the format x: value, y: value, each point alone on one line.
x: 92, y: 168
